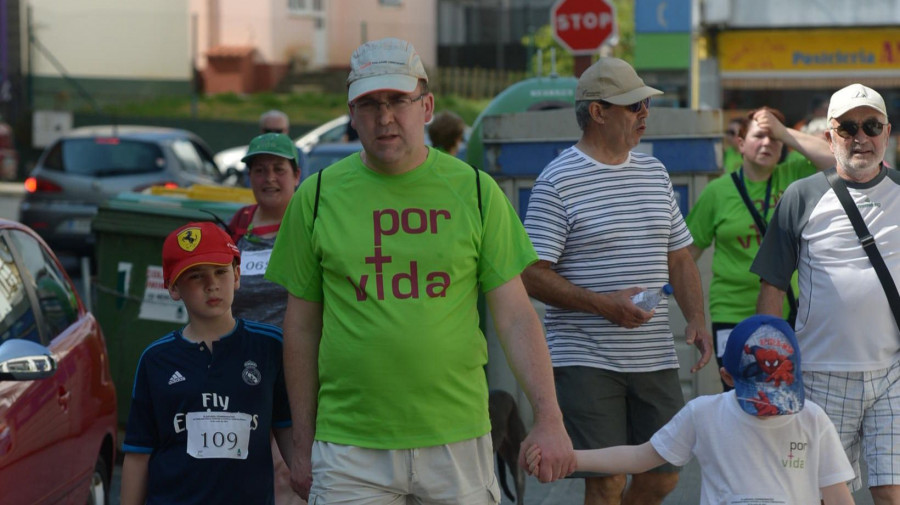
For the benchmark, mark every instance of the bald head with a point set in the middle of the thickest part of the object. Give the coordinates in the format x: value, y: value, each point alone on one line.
x: 274, y: 121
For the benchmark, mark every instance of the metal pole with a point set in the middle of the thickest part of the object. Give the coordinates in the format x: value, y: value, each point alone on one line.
x: 86, y: 279
x: 30, y: 36
x: 194, y: 83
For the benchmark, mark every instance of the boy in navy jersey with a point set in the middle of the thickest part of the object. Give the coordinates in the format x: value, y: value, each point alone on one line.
x: 206, y: 397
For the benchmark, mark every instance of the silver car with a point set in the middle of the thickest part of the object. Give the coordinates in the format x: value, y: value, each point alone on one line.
x: 89, y: 165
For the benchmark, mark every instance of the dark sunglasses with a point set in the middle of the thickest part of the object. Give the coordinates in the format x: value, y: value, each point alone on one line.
x: 849, y: 129
x: 636, y: 106
x: 271, y: 130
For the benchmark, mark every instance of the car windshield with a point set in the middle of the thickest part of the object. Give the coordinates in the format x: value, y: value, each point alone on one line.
x: 106, y: 156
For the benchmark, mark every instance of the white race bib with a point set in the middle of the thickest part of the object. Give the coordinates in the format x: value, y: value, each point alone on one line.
x: 218, y: 434
x: 745, y: 499
x: 721, y: 340
x: 255, y: 262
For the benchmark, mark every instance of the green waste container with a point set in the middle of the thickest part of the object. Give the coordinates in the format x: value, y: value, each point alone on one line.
x: 131, y: 304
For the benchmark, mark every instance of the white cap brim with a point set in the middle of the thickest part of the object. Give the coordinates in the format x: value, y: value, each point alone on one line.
x: 840, y: 111
x: 387, y: 82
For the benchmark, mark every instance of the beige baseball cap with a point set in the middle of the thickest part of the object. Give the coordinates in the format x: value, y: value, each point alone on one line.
x: 384, y: 65
x: 612, y: 80
x: 853, y: 96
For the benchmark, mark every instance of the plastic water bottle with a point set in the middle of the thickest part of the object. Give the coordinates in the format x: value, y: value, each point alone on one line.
x: 648, y: 300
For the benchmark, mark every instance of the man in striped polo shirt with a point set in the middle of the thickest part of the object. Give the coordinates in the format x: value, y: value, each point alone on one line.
x: 605, y: 225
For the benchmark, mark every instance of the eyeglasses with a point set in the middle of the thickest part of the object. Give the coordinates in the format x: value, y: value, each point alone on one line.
x: 396, y: 104
x: 849, y: 129
x: 634, y: 107
x: 273, y: 130
x: 732, y: 133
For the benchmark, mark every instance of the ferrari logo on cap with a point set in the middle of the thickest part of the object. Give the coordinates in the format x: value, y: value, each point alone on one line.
x: 189, y: 238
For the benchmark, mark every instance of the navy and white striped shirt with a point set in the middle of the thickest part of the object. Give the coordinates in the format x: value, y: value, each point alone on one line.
x: 607, y: 228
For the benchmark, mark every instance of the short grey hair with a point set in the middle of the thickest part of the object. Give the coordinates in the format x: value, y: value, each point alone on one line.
x: 583, y: 113
x: 274, y: 113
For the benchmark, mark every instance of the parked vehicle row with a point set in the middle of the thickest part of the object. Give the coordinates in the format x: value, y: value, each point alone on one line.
x: 89, y: 165
x: 332, y: 131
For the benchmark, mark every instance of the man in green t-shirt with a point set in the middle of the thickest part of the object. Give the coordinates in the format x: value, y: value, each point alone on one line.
x: 384, y: 254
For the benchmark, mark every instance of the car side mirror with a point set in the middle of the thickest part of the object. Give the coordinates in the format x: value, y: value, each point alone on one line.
x: 24, y: 360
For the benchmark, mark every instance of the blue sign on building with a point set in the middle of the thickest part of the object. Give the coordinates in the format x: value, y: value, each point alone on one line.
x: 660, y: 16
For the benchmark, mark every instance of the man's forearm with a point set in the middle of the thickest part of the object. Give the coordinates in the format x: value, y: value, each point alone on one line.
x: 521, y: 336
x: 770, y: 300
x: 302, y: 333
x: 544, y: 284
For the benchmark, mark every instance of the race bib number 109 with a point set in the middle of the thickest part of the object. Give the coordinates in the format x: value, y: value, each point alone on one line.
x: 218, y: 435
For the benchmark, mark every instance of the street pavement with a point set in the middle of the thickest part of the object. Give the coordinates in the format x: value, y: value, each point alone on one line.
x: 571, y: 491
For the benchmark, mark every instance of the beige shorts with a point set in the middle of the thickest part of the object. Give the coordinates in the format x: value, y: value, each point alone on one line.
x: 462, y: 472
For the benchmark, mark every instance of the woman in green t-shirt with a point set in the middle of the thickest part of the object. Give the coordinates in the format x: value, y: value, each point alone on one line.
x: 721, y: 217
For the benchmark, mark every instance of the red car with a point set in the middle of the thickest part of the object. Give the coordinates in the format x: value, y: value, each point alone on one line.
x: 57, y: 397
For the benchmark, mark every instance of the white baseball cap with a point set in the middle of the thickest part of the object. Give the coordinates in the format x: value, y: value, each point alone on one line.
x: 853, y: 96
x: 384, y: 65
x: 613, y: 80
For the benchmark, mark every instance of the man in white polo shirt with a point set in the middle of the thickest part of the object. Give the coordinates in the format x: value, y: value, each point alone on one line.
x: 845, y: 327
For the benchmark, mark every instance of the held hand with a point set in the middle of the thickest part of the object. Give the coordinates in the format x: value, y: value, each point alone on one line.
x: 301, y: 473
x: 770, y: 124
x: 622, y: 311
x: 557, y: 458
x: 696, y: 334
x: 533, y: 459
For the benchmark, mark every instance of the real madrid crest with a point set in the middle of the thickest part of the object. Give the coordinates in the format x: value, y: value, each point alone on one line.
x: 251, y: 374
x: 189, y: 238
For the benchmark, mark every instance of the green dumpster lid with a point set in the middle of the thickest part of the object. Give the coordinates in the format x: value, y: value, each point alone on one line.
x: 536, y: 93
x: 157, y: 215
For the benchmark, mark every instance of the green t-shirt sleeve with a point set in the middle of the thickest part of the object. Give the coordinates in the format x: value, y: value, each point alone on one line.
x: 701, y: 218
x: 294, y: 262
x: 505, y: 247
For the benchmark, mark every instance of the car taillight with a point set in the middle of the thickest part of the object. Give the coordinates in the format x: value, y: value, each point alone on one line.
x: 167, y: 185
x: 36, y: 185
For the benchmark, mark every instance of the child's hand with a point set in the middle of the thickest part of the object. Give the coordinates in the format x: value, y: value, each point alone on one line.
x: 533, y: 459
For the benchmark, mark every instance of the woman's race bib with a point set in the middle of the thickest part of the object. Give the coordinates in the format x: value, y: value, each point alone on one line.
x: 255, y: 262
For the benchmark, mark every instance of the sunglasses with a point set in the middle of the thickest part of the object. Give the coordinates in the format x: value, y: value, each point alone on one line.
x: 849, y: 129
x: 636, y: 106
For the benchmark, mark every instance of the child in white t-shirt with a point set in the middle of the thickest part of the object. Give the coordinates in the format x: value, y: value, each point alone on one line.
x: 758, y: 444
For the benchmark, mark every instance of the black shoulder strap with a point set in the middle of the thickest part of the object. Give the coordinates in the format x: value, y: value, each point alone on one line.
x: 478, y: 189
x: 757, y: 218
x: 761, y: 226
x: 318, y: 189
x: 866, y: 240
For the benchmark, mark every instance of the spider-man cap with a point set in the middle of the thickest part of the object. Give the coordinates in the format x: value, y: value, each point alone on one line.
x: 193, y: 244
x: 763, y: 358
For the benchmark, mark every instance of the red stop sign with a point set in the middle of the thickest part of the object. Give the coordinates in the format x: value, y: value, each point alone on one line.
x: 582, y: 26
